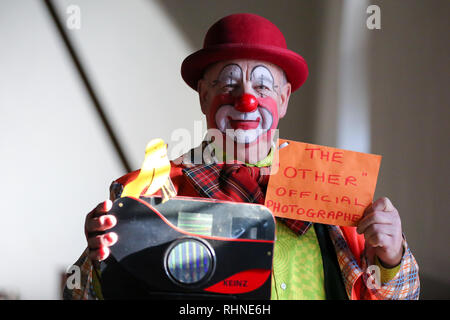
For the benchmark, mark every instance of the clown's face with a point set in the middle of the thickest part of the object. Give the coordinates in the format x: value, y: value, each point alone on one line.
x: 244, y: 100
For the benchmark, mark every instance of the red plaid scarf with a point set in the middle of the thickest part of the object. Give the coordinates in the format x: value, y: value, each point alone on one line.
x: 236, y: 182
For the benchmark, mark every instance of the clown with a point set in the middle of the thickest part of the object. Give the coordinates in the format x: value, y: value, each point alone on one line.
x: 244, y: 76
x: 244, y: 100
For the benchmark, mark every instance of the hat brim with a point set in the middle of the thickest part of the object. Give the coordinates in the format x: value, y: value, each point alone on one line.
x: 292, y: 63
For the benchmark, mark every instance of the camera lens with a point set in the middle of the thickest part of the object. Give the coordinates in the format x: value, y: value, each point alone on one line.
x: 189, y: 261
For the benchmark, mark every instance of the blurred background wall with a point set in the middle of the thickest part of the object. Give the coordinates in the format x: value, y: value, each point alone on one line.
x: 382, y: 91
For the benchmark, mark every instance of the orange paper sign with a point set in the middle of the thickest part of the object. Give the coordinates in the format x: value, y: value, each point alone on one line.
x: 321, y: 184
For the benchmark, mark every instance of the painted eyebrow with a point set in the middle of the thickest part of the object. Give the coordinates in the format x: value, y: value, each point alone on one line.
x: 271, y: 79
x: 223, y: 76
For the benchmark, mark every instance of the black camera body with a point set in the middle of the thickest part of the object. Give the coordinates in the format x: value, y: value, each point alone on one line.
x: 189, y: 248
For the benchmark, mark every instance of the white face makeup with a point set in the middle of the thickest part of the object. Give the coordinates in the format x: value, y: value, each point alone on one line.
x: 262, y: 80
x: 256, y: 123
x: 230, y: 77
x: 244, y: 127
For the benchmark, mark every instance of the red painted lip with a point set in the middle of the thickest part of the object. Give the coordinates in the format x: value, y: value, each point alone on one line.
x: 244, y: 124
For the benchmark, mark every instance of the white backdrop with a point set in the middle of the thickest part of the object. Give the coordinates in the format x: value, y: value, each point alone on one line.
x: 56, y: 160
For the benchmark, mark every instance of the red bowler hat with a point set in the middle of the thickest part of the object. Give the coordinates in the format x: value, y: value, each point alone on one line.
x: 240, y: 36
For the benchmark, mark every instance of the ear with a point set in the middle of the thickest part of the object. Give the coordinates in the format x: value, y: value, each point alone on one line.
x: 285, y: 93
x: 202, y: 94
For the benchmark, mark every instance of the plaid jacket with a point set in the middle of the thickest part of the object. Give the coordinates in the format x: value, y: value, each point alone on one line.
x: 359, y: 270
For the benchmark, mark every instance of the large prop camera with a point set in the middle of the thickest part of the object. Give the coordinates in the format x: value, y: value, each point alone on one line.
x: 189, y: 248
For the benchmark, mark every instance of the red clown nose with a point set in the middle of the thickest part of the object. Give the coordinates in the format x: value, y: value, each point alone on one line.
x: 247, y: 103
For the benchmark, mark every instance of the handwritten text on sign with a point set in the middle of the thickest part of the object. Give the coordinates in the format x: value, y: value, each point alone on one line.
x: 322, y: 184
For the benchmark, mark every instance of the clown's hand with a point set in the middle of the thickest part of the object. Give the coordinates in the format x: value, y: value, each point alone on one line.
x: 98, y: 221
x: 382, y: 231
